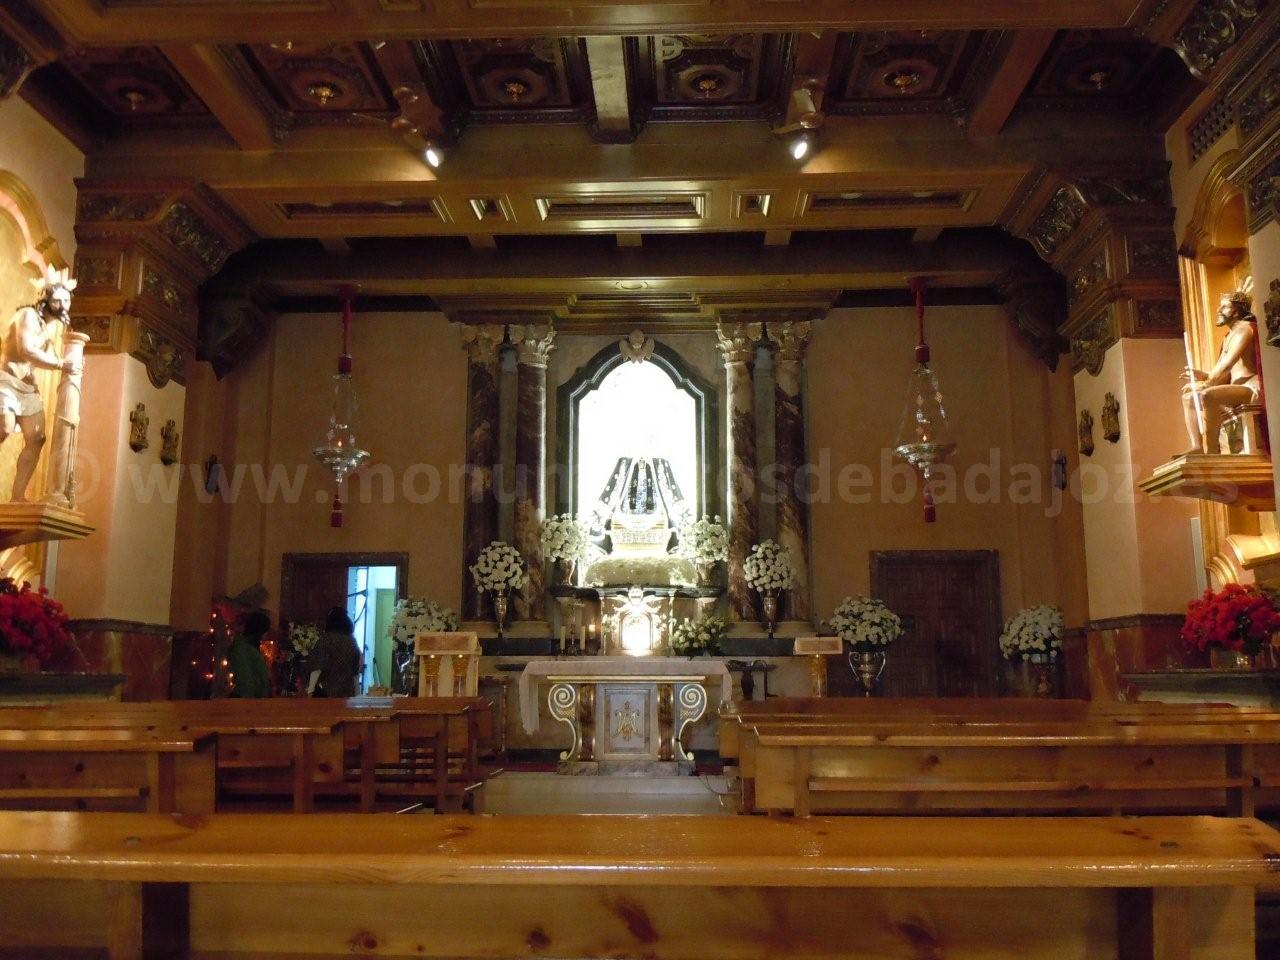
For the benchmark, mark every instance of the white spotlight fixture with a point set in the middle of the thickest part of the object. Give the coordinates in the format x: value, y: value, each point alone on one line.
x: 433, y: 155
x: 801, y: 146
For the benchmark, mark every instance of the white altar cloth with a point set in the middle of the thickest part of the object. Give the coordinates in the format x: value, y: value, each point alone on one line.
x: 624, y: 668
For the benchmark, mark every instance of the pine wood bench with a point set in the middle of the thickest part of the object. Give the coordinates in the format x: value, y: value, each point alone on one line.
x: 137, y: 887
x: 1065, y: 767
x: 161, y: 772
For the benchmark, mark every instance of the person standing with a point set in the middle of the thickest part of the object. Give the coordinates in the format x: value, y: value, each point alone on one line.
x: 335, y: 661
x: 245, y: 660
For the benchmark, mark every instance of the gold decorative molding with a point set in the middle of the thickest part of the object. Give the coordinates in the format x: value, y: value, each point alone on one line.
x: 1239, y: 480
x: 1213, y: 234
x: 27, y: 523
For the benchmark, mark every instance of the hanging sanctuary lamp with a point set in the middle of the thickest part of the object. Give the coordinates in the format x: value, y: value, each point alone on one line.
x: 338, y: 449
x: 924, y: 436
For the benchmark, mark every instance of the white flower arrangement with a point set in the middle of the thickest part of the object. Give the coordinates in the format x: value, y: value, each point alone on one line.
x: 769, y: 567
x: 865, y: 623
x: 704, y: 541
x: 1033, y: 633
x: 613, y: 570
x: 303, y: 638
x: 688, y: 638
x: 415, y: 615
x: 499, y: 568
x: 563, y: 538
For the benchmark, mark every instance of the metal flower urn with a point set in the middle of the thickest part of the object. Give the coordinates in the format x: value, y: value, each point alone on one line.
x: 501, y: 604
x: 868, y: 666
x: 769, y: 610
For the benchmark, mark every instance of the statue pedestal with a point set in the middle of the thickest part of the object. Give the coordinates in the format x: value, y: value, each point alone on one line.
x: 1236, y: 479
x: 22, y: 523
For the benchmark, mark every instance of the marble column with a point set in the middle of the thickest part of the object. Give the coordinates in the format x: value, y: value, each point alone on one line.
x: 533, y: 347
x: 480, y: 503
x: 790, y: 339
x: 738, y: 343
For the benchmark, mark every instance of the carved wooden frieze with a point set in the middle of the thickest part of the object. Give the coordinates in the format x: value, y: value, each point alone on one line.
x: 1259, y: 102
x: 1155, y: 254
x: 163, y: 358
x: 157, y: 285
x: 1089, y: 344
x: 1087, y: 279
x: 1271, y: 308
x: 98, y: 270
x: 1058, y: 220
x: 1262, y: 196
x: 119, y: 207
x: 99, y: 328
x: 188, y: 232
x: 15, y: 64
x: 1085, y: 430
x: 1214, y: 27
x: 1156, y: 316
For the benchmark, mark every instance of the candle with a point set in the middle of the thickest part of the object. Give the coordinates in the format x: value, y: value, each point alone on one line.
x: 582, y: 637
x: 562, y: 640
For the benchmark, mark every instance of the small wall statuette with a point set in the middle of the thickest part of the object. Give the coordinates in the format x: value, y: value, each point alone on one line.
x: 1111, y: 418
x: 1059, y: 471
x: 1272, y: 310
x: 1086, y: 433
x: 636, y: 347
x: 212, y: 474
x: 169, y: 438
x: 138, y: 431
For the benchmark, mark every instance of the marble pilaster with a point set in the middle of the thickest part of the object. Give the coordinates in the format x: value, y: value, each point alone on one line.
x: 790, y: 339
x: 738, y: 343
x: 533, y: 347
x: 480, y: 503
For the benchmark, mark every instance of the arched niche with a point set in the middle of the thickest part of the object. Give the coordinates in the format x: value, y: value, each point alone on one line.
x: 589, y: 378
x: 1217, y: 232
x: 27, y: 249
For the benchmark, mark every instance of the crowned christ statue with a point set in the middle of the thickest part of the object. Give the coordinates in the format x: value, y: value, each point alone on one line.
x: 27, y: 347
x: 1208, y: 398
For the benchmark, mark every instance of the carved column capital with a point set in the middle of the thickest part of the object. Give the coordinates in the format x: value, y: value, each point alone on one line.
x: 738, y: 341
x: 482, y: 342
x: 534, y: 343
x: 790, y: 340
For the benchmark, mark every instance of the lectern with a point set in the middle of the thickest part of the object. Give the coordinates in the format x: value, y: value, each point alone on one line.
x: 448, y: 664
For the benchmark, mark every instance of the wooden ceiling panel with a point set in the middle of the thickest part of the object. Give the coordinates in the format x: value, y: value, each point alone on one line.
x: 510, y: 79
x: 126, y: 88
x: 1089, y: 69
x: 318, y: 80
x: 903, y: 71
x: 709, y: 76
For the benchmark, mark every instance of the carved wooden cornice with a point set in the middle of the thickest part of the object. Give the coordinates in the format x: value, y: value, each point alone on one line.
x: 1036, y: 299
x: 27, y: 41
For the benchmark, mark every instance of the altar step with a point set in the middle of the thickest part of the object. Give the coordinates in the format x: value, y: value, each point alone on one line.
x: 553, y: 793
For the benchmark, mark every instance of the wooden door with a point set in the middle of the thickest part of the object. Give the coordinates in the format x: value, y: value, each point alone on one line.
x: 312, y: 584
x: 949, y: 601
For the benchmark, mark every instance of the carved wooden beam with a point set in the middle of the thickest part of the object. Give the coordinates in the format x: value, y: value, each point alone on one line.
x: 1022, y: 55
x: 214, y: 80
x: 608, y: 64
x: 27, y: 41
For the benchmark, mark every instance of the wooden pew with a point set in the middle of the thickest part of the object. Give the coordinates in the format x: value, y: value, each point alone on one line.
x: 713, y: 888
x: 274, y: 742
x: 162, y: 772
x: 1064, y: 767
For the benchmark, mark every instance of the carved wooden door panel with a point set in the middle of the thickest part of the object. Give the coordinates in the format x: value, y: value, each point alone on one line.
x: 950, y: 605
x: 314, y: 590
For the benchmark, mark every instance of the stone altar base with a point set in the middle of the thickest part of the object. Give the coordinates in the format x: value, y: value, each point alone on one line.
x: 627, y: 768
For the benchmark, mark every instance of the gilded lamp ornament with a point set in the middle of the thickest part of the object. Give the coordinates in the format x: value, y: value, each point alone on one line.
x: 338, y: 449
x: 924, y: 436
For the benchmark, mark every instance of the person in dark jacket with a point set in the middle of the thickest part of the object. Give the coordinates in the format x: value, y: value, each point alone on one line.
x: 335, y: 661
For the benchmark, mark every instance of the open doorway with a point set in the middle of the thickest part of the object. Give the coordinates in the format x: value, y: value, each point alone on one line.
x: 366, y: 585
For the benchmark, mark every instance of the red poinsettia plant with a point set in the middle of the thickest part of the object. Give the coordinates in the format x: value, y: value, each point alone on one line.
x: 33, y: 626
x: 1235, y: 618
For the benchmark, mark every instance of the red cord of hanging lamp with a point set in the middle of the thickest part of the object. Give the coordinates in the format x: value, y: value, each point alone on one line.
x: 347, y: 294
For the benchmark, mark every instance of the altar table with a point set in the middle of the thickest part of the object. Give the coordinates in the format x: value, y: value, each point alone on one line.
x: 627, y: 713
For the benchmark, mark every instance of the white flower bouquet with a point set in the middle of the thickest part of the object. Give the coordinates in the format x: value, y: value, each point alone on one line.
x: 498, y: 569
x: 769, y: 567
x: 704, y: 541
x: 865, y: 623
x: 1032, y: 634
x: 564, y: 538
x: 303, y: 638
x: 415, y: 615
x: 689, y: 638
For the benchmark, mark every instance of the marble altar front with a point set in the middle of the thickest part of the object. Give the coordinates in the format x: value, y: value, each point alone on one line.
x: 624, y: 714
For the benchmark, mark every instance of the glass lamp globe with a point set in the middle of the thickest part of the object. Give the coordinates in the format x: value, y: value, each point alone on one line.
x: 338, y: 449
x: 924, y: 436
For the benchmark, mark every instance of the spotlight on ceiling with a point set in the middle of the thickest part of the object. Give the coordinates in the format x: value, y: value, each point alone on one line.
x: 433, y: 155
x: 804, y: 118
